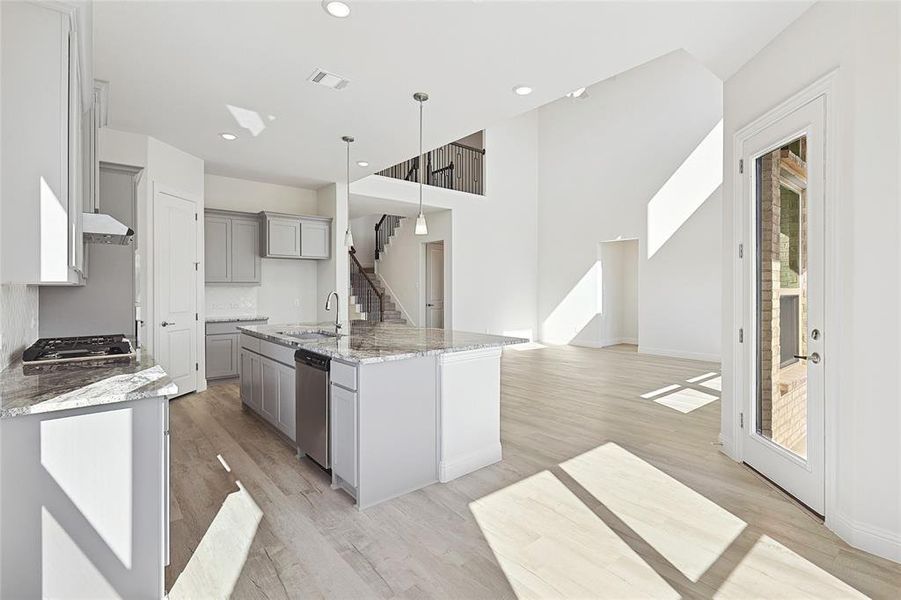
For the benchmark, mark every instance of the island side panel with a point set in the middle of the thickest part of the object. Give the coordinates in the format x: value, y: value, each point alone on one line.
x: 397, y: 425
x: 470, y: 411
x: 87, y: 519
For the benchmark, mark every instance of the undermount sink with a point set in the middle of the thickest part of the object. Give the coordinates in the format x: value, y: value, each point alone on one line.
x: 309, y: 335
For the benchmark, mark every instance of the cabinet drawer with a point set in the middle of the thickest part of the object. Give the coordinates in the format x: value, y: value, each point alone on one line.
x: 250, y: 342
x: 277, y: 353
x: 344, y: 375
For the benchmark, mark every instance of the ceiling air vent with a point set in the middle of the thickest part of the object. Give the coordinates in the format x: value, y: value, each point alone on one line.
x: 336, y: 82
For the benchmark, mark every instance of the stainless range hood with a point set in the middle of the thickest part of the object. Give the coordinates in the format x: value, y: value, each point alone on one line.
x: 103, y: 229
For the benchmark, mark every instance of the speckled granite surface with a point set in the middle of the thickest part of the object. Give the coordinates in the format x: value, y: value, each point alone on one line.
x: 379, y: 342
x: 237, y: 319
x: 77, y: 385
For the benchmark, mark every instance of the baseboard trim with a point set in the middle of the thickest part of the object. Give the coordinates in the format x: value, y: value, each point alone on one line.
x: 874, y: 540
x: 448, y: 470
x: 604, y: 343
x: 680, y: 354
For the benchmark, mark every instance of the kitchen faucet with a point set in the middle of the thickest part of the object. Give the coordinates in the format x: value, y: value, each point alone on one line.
x: 328, y: 306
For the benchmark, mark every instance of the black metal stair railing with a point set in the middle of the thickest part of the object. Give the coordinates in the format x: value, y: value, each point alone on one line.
x: 454, y: 166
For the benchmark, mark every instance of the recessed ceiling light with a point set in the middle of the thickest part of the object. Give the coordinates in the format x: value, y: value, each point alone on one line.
x: 336, y: 8
x: 228, y: 136
x: 362, y: 163
x: 576, y: 93
x: 522, y: 90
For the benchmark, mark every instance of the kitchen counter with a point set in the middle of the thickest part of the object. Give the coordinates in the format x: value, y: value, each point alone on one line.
x: 237, y: 319
x: 364, y: 343
x: 77, y: 385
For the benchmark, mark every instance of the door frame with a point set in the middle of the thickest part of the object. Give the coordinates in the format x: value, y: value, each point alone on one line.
x: 426, y: 273
x: 152, y: 293
x: 448, y: 282
x: 742, y: 315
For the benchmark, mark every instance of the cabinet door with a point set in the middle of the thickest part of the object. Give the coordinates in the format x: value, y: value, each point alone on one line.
x: 221, y: 352
x: 269, y: 408
x: 286, y: 401
x: 314, y: 239
x: 37, y: 244
x: 245, y: 251
x: 256, y: 367
x: 217, y: 248
x: 283, y: 237
x: 246, y: 378
x: 344, y: 434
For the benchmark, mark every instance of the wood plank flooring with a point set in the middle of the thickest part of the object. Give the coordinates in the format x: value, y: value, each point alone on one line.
x: 602, y: 493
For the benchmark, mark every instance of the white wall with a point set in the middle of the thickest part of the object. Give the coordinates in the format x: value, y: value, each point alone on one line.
x: 231, y: 193
x: 363, y: 229
x: 638, y: 158
x: 288, y: 288
x: 861, y: 333
x: 493, y: 278
x: 333, y: 274
x: 402, y: 265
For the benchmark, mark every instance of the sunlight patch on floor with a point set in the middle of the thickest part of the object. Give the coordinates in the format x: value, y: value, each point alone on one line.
x: 701, y: 377
x: 216, y: 564
x: 686, y: 400
x: 550, y: 545
x: 714, y: 384
x: 660, y: 391
x: 525, y: 346
x: 770, y: 570
x: 686, y: 528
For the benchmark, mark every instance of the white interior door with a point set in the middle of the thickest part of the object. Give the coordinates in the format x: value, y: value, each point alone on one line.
x: 434, y: 284
x: 175, y: 288
x: 783, y: 415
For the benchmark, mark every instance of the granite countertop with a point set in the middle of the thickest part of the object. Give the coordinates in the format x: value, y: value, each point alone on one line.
x: 236, y: 319
x: 379, y: 342
x: 76, y: 385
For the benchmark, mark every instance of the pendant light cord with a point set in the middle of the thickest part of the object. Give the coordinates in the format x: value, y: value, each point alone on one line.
x: 421, y: 165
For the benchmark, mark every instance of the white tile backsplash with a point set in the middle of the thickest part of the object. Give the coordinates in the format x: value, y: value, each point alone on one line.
x: 18, y: 320
x: 230, y: 301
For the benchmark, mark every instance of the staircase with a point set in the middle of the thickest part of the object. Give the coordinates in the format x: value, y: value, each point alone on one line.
x: 369, y: 297
x: 391, y: 312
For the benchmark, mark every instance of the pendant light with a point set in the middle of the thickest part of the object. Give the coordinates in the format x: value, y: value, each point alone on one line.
x: 348, y: 236
x: 421, y: 227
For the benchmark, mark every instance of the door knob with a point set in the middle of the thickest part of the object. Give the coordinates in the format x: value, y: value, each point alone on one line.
x: 815, y: 358
x: 166, y: 323
x: 430, y: 304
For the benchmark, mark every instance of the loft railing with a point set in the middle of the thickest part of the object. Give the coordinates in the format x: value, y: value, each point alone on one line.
x: 384, y: 229
x: 454, y: 166
x: 371, y: 300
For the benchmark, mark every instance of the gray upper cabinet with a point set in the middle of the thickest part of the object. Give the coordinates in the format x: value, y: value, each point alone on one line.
x: 295, y: 236
x: 231, y: 247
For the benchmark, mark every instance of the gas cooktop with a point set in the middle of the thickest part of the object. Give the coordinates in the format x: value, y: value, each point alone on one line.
x: 103, y: 348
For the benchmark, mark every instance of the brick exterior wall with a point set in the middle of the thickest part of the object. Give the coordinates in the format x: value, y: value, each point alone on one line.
x: 783, y: 264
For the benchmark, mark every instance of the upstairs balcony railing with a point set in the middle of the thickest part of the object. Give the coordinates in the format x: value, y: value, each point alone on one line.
x: 454, y: 166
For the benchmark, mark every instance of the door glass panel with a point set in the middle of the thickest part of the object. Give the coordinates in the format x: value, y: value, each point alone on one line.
x: 781, y: 185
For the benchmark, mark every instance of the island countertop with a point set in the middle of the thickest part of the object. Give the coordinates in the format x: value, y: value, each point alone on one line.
x: 77, y: 385
x: 363, y: 342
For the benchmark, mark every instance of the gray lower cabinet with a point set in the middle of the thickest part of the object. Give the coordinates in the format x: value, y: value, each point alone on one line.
x: 223, y: 345
x: 267, y: 387
x: 231, y: 247
x: 344, y: 434
x: 295, y: 236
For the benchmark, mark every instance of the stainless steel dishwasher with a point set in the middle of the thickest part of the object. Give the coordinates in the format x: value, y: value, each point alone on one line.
x: 312, y: 396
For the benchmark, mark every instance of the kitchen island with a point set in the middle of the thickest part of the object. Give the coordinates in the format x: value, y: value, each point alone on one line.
x: 85, y: 467
x: 409, y: 406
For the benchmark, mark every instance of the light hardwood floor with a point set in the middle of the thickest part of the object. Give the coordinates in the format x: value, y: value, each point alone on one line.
x: 602, y: 493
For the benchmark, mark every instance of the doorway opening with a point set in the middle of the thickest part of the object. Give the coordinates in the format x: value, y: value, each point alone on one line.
x: 617, y: 320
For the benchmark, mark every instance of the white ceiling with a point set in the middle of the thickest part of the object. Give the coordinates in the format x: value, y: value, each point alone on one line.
x: 173, y: 68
